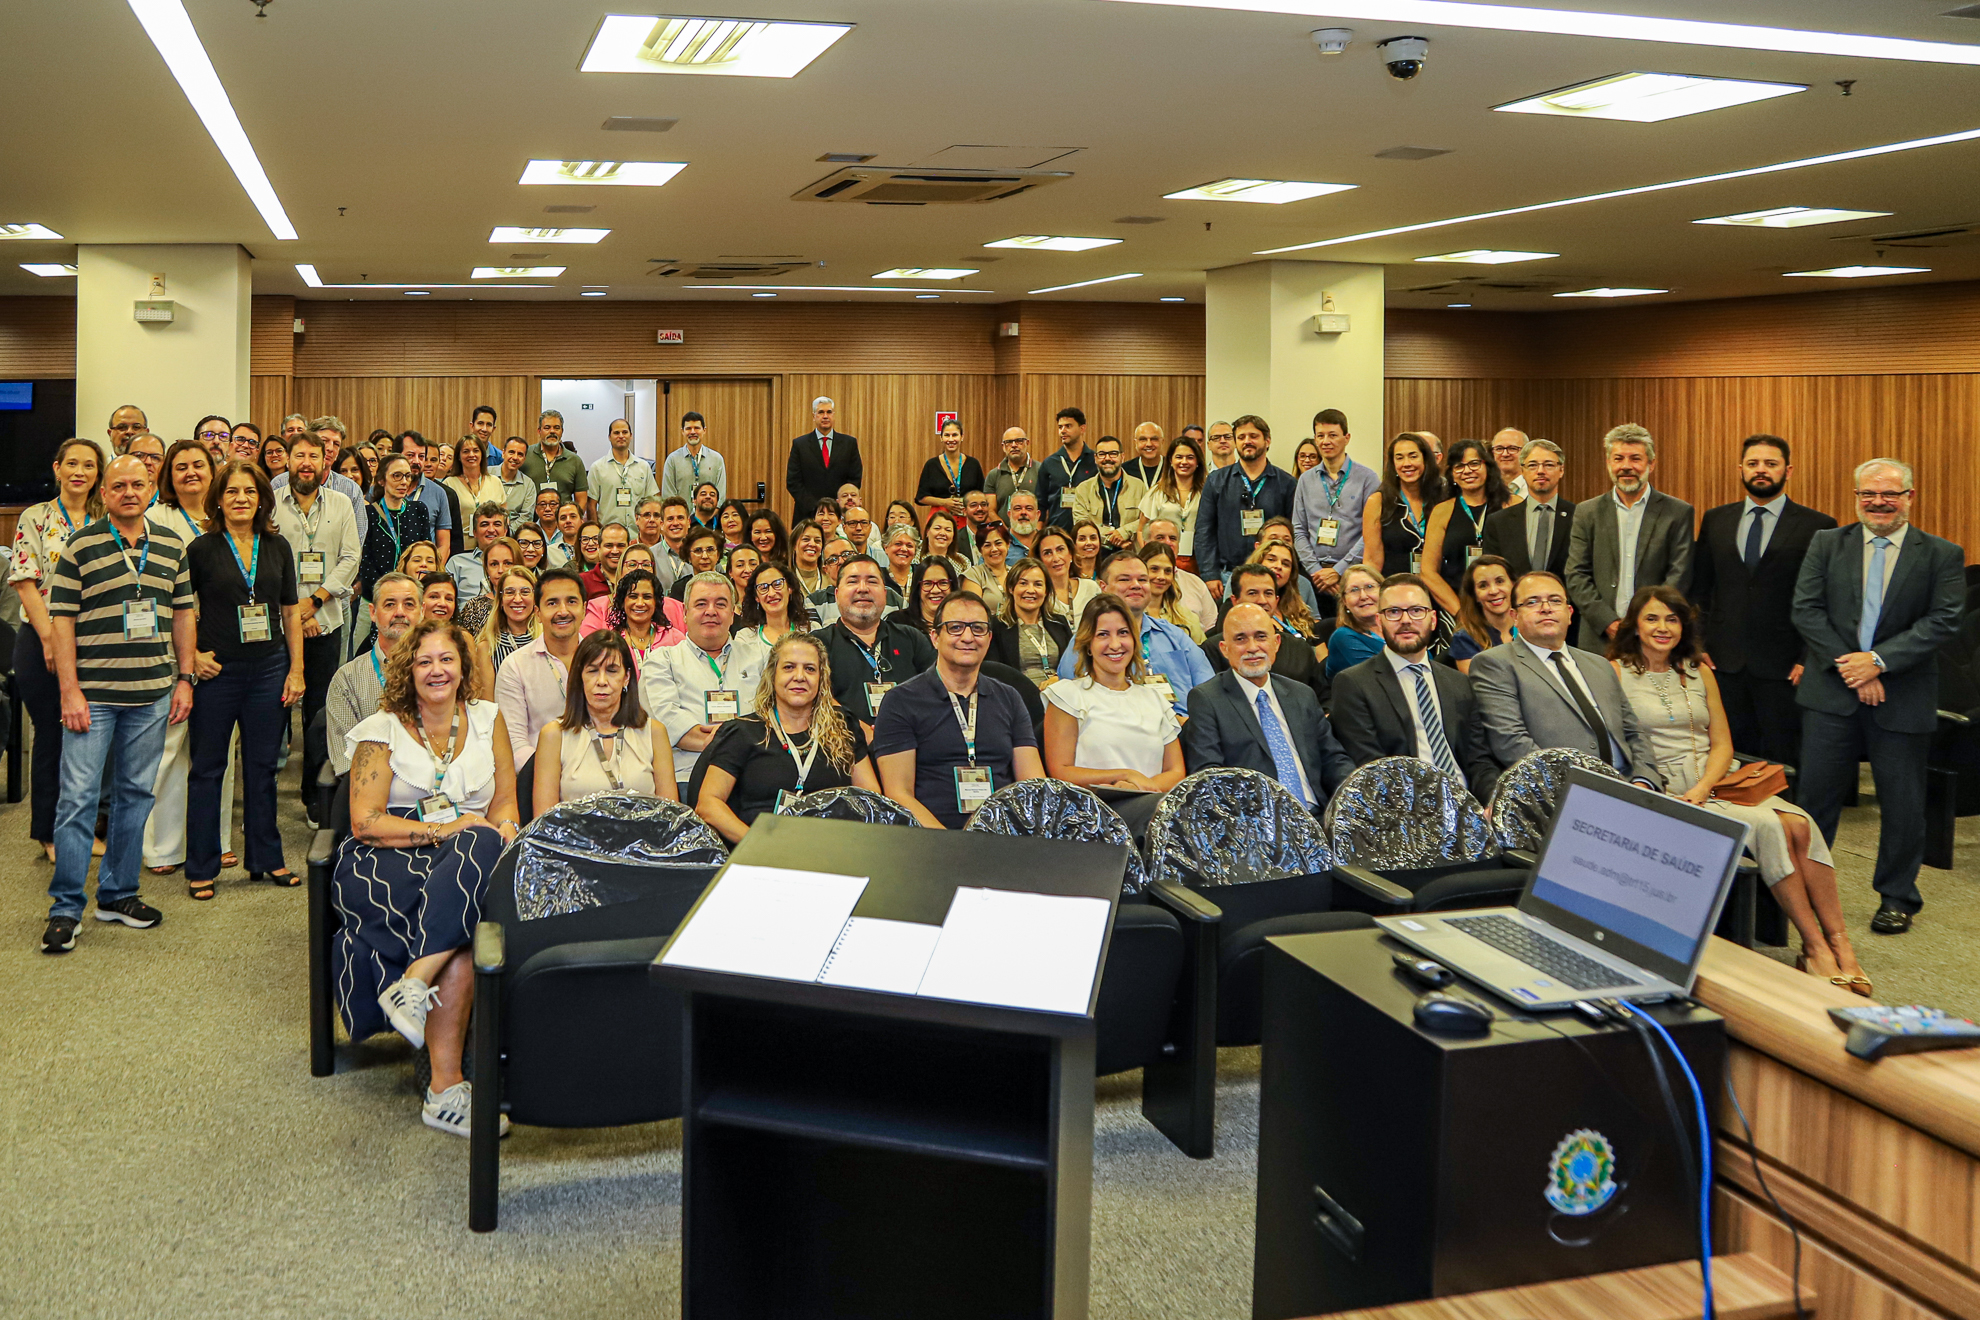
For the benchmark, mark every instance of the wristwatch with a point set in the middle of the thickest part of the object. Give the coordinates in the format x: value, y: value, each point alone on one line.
x: 189, y: 679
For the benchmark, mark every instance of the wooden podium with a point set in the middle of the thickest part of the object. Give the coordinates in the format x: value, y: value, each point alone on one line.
x: 854, y: 1153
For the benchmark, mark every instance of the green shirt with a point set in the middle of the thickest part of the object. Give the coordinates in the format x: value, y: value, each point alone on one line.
x: 566, y: 474
x: 94, y: 580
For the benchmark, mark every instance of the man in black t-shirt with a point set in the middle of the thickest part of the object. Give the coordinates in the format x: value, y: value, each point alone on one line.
x: 869, y: 654
x: 948, y: 738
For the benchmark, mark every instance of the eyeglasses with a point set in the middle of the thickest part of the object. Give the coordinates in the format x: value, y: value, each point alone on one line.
x: 1541, y: 465
x: 1469, y: 465
x: 519, y: 593
x: 1414, y: 613
x: 1506, y: 449
x: 831, y: 561
x: 1866, y: 496
x: 771, y: 587
x: 213, y: 435
x: 965, y: 627
x: 1548, y: 602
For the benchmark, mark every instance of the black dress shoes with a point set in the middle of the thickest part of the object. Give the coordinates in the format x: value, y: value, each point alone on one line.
x: 1891, y: 921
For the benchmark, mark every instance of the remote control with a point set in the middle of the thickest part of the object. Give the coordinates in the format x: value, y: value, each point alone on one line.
x: 1876, y: 1031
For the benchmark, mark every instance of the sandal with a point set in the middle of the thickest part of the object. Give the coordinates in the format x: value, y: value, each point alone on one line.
x: 199, y: 890
x: 228, y: 859
x: 161, y: 870
x: 285, y: 878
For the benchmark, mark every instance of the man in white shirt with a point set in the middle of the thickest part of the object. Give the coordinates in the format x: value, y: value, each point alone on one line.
x: 355, y: 690
x: 519, y: 492
x: 330, y: 433
x: 707, y: 679
x: 535, y: 681
x: 693, y: 463
x: 321, y: 528
x: 618, y: 482
x: 1191, y: 591
x: 491, y: 524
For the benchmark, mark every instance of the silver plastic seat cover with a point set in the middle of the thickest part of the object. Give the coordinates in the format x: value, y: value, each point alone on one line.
x: 1523, y: 803
x: 1399, y: 813
x: 607, y: 848
x: 1053, y: 809
x: 850, y: 802
x: 1231, y: 826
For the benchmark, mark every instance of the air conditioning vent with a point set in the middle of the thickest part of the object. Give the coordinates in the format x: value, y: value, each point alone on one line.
x: 923, y: 187
x: 725, y: 270
x: 1954, y: 235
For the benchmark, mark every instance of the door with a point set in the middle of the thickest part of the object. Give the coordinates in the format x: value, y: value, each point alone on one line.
x: 736, y: 414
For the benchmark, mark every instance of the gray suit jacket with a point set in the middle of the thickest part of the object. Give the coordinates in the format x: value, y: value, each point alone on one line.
x: 1524, y: 708
x: 1663, y: 554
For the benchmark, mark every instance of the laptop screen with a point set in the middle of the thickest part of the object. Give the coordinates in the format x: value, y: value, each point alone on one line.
x: 1625, y: 867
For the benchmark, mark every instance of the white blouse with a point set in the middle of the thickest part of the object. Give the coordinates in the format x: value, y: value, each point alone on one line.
x: 470, y: 778
x: 1117, y: 730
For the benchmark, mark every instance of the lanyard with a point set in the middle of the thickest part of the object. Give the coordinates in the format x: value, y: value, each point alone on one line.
x: 66, y: 520
x: 709, y: 660
x: 872, y: 655
x: 1469, y: 516
x: 1412, y: 521
x: 955, y: 473
x: 1332, y: 490
x: 1017, y: 477
x: 440, y: 763
x: 968, y: 725
x: 377, y: 667
x: 609, y: 766
x: 816, y: 584
x: 312, y: 517
x: 1251, y: 488
x: 247, y: 569
x: 144, y: 556
x: 694, y: 462
x: 391, y: 521
x: 1111, y: 511
x: 811, y: 753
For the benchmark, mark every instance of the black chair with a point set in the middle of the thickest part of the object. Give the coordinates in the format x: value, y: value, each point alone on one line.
x: 1157, y: 1007
x: 1241, y: 841
x: 851, y: 803
x: 569, y: 1028
x: 1409, y: 837
x: 1952, y: 767
x: 333, y: 827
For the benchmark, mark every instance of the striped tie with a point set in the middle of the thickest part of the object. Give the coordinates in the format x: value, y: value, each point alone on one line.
x: 1433, y: 726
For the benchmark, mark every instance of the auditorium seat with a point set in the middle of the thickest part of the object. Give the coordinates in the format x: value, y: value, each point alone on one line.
x: 1409, y: 837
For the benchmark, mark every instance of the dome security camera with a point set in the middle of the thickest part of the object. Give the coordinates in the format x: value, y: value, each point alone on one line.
x: 1404, y: 56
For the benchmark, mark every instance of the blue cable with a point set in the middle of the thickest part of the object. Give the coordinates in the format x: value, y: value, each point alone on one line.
x: 1705, y: 1156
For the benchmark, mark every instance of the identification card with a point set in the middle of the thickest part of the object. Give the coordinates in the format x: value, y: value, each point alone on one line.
x: 254, y: 623
x: 1328, y: 532
x: 1251, y: 521
x: 785, y: 800
x: 309, y: 567
x: 875, y: 691
x: 1471, y: 553
x: 1161, y: 685
x: 140, y: 620
x: 720, y: 704
x: 438, y: 809
x: 973, y: 787
x: 624, y: 499
x: 1416, y: 561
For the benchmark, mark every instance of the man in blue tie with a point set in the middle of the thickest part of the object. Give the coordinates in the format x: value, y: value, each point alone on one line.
x: 1250, y: 717
x: 1874, y: 603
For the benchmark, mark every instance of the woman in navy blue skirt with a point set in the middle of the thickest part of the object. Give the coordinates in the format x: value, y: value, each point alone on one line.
x: 433, y: 802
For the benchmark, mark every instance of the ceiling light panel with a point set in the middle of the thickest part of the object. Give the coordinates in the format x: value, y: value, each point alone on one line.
x: 1274, y: 192
x: 830, y: 288
x: 515, y: 272
x: 52, y: 270
x: 1856, y: 272
x: 593, y: 173
x: 1611, y: 293
x: 1052, y: 243
x: 27, y: 231
x: 517, y: 234
x: 924, y: 273
x: 1648, y: 98
x: 1488, y: 257
x: 1082, y: 284
x: 1790, y: 217
x: 733, y: 47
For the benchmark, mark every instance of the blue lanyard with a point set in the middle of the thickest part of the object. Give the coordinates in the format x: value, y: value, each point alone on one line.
x: 247, y: 569
x: 66, y: 520
x: 144, y: 556
x: 955, y: 473
x: 391, y: 522
x: 1333, y: 491
x: 1469, y: 517
x: 377, y: 668
x: 1251, y: 488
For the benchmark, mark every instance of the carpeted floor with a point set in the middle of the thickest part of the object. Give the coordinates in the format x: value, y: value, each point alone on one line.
x: 167, y: 1153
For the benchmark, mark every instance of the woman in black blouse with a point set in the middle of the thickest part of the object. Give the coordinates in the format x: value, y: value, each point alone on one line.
x: 397, y: 521
x: 244, y: 575
x: 950, y: 475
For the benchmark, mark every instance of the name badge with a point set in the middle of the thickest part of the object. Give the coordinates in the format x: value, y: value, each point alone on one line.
x: 309, y: 567
x: 1471, y: 553
x: 624, y: 499
x: 254, y: 623
x: 1161, y: 685
x: 973, y: 788
x: 140, y: 620
x: 1416, y: 561
x: 438, y: 809
x: 875, y: 691
x: 1251, y: 521
x: 721, y: 704
x: 785, y: 800
x: 1328, y: 533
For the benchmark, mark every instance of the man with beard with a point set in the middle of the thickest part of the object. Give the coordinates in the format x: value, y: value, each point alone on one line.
x: 1630, y: 538
x: 355, y: 691
x: 1742, y: 581
x: 1250, y: 717
x: 870, y: 655
x: 1024, y: 524
x: 322, y: 531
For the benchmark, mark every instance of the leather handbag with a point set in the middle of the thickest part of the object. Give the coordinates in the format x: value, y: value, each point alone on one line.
x: 1751, y: 784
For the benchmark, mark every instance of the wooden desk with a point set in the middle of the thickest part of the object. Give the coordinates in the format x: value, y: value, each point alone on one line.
x: 1745, y: 1287
x: 1878, y: 1163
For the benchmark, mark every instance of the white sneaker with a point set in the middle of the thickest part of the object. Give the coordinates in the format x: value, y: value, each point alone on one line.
x: 406, y: 1002
x: 453, y: 1110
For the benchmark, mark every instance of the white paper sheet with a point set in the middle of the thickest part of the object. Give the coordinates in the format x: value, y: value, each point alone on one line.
x: 768, y: 921
x: 873, y: 954
x: 1035, y: 951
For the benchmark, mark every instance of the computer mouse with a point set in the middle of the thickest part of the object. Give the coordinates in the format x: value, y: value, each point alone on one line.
x: 1426, y: 972
x: 1452, y: 1016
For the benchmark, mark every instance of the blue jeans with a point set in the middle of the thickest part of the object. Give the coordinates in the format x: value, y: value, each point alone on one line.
x: 133, y: 737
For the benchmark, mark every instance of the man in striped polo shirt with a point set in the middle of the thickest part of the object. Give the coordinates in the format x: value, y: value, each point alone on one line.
x: 121, y: 608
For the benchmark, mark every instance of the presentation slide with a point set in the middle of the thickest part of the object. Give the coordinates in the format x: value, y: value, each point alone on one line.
x: 1636, y: 872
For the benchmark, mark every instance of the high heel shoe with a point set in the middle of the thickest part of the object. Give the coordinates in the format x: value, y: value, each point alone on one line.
x: 1846, y: 982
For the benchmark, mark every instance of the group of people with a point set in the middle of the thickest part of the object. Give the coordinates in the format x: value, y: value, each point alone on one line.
x: 1107, y: 622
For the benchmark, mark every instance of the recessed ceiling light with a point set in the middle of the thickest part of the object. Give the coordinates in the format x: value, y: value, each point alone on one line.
x: 1488, y: 257
x: 1175, y: 300
x: 171, y: 31
x: 515, y: 272
x: 827, y: 288
x: 519, y: 234
x: 762, y: 295
x: 1790, y: 217
x: 1648, y: 98
x: 1081, y: 284
x: 48, y: 269
x: 924, y: 273
x: 1052, y: 243
x: 1857, y: 272
x: 1457, y: 304
x: 27, y: 231
x: 927, y: 295
x: 1610, y: 293
x: 619, y: 173
x: 416, y: 293
x: 1272, y: 191
x: 315, y: 281
x: 592, y: 293
x: 1625, y: 27
x: 736, y: 47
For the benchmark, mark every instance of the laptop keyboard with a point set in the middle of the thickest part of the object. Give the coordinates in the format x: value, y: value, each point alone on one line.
x: 1550, y: 956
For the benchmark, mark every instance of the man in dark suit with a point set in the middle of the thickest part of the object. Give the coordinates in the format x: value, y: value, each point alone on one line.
x: 1874, y: 603
x: 1633, y: 537
x: 1533, y: 534
x: 1250, y: 717
x: 821, y: 461
x: 1743, y: 570
x: 1400, y: 704
x: 1253, y: 584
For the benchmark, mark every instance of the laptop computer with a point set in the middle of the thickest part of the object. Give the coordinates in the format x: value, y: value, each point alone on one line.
x: 1626, y: 892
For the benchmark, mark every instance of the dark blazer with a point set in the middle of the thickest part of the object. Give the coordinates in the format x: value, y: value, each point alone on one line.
x: 1371, y: 717
x: 1921, y: 614
x: 1004, y: 640
x: 1220, y: 541
x: 808, y: 479
x: 1223, y: 729
x: 1505, y: 536
x: 1296, y: 660
x: 1748, y: 615
x: 1663, y: 554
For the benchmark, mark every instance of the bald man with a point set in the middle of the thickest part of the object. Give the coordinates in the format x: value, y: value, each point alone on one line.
x: 1017, y: 472
x: 1248, y: 716
x: 1506, y: 445
x: 1146, y: 465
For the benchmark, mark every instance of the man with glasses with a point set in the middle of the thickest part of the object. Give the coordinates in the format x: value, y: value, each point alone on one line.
x: 1537, y: 691
x: 1874, y: 603
x: 125, y: 422
x: 1017, y: 472
x: 857, y: 528
x: 149, y: 450
x: 947, y: 738
x: 1176, y: 665
x: 1110, y: 500
x: 1327, y: 505
x: 1532, y: 536
x: 1220, y: 446
x: 1400, y: 704
x: 216, y: 435
x: 870, y: 654
x: 429, y: 491
x: 833, y: 557
x: 1637, y: 537
x: 1506, y: 445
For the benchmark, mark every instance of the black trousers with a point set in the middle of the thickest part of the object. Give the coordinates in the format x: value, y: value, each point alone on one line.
x: 321, y: 658
x: 41, y: 695
x: 1762, y: 716
x: 1835, y: 744
x: 246, y: 695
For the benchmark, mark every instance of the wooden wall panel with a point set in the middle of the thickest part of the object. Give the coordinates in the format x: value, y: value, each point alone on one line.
x: 268, y: 401
x: 1113, y: 404
x: 1110, y: 338
x: 894, y: 418
x: 432, y: 405
x: 739, y: 417
x: 1460, y: 345
x: 37, y: 338
x: 272, y: 336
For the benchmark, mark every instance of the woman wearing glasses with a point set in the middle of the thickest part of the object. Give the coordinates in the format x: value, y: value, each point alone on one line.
x: 770, y: 607
x: 273, y: 456
x: 500, y: 556
x: 1355, y: 637
x: 1457, y: 525
x: 513, y: 625
x: 531, y: 546
x: 1105, y: 727
x: 397, y: 522
x: 934, y: 579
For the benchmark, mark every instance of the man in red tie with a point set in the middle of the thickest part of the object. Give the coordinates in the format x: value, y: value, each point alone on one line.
x: 822, y: 460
